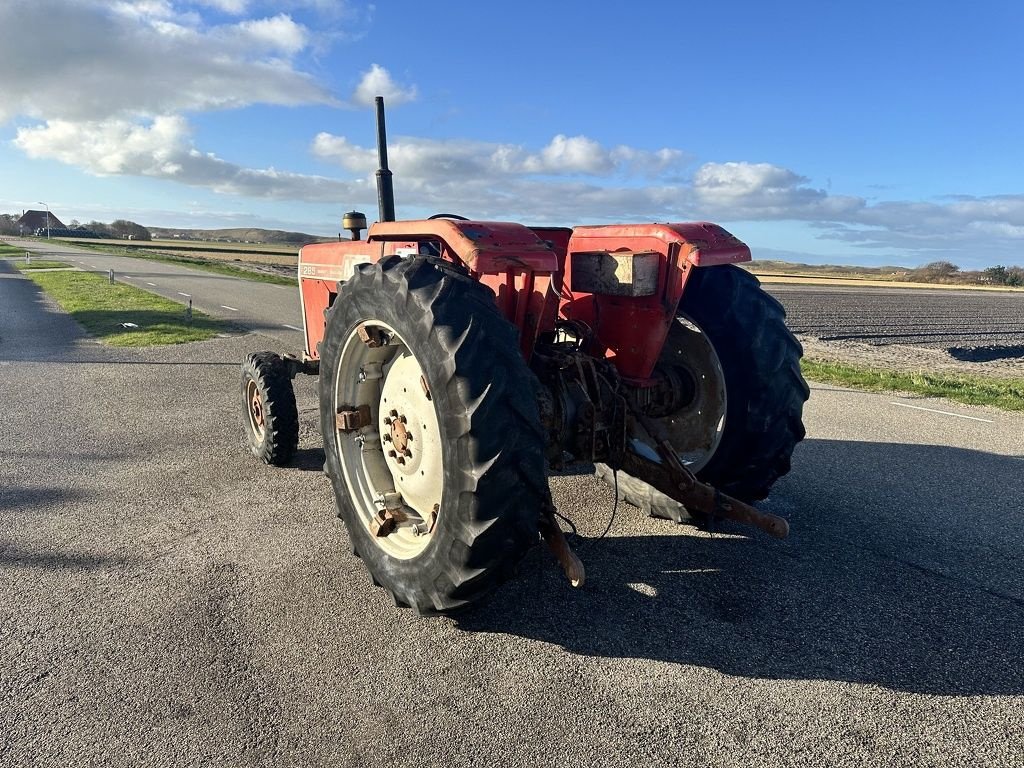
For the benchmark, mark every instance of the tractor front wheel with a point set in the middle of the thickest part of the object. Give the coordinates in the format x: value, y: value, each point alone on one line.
x: 271, y: 421
x: 431, y: 433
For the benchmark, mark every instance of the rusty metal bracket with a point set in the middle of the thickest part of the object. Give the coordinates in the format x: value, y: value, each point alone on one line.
x: 385, y: 520
x: 306, y: 366
x: 556, y: 542
x: 371, y: 335
x: 383, y: 523
x: 350, y: 419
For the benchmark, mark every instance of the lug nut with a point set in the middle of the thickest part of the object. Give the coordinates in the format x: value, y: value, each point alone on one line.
x: 387, y: 421
x: 408, y: 453
x: 392, y: 454
x: 400, y: 460
x: 394, y: 413
x: 387, y: 438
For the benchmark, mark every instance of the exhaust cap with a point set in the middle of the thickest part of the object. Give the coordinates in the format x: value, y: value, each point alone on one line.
x: 354, y: 222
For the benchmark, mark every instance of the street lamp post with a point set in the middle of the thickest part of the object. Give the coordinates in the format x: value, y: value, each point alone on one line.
x: 47, y: 219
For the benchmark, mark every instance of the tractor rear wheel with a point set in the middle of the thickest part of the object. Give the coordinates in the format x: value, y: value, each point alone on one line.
x: 739, y: 431
x: 271, y: 421
x: 431, y: 432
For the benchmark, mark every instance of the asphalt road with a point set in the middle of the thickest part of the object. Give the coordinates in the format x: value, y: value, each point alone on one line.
x: 272, y: 310
x: 165, y: 600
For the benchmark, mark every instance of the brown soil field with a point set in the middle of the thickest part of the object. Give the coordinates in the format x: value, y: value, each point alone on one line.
x: 979, y: 333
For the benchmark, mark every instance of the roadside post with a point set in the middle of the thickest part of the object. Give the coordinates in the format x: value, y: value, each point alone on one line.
x: 110, y: 274
x: 188, y: 312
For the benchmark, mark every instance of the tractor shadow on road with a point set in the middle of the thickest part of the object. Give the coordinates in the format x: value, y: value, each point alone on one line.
x: 903, y: 570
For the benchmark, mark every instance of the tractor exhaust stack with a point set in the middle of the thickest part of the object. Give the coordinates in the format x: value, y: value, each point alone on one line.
x: 385, y: 190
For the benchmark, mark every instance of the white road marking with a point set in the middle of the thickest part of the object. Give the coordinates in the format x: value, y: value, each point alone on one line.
x: 292, y: 327
x: 944, y: 413
x: 225, y: 306
x: 186, y: 295
x: 153, y: 284
x: 127, y: 277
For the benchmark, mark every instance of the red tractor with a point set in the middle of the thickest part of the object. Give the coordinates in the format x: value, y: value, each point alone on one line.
x: 458, y: 359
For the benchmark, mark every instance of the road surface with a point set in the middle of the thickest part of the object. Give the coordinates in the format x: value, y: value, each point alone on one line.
x: 269, y: 309
x: 165, y: 600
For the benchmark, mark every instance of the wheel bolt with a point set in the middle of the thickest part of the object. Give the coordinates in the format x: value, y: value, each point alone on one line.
x: 394, y: 413
x: 387, y: 438
x: 392, y: 454
x: 408, y: 453
x: 387, y: 421
x: 401, y: 460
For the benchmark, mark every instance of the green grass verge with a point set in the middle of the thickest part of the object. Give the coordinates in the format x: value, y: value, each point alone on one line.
x: 1007, y: 394
x: 207, y: 265
x: 10, y: 250
x: 39, y: 264
x: 100, y: 308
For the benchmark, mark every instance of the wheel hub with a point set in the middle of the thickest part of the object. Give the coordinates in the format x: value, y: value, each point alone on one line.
x: 256, y: 416
x: 410, y: 435
x: 400, y: 435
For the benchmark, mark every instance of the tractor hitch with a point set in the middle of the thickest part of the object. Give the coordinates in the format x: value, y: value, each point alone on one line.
x: 570, y: 562
x: 672, y: 478
x: 679, y: 483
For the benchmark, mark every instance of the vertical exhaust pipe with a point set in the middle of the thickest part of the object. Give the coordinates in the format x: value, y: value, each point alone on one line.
x: 385, y: 190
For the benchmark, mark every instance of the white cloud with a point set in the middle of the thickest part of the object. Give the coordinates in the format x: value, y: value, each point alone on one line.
x: 114, y: 147
x: 143, y: 58
x: 377, y: 82
x: 576, y: 154
x: 491, y: 180
x: 433, y: 159
x: 162, y: 149
x: 765, y: 191
x: 236, y: 7
x: 280, y: 33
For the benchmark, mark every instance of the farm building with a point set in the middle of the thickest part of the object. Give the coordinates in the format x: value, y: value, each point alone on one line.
x: 30, y: 221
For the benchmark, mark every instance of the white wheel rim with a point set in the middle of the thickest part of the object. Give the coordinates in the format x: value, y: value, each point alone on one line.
x: 395, y: 461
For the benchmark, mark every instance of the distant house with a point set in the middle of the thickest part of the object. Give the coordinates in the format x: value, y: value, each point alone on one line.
x: 30, y: 221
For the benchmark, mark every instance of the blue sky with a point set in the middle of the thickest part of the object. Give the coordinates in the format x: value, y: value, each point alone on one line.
x: 869, y: 132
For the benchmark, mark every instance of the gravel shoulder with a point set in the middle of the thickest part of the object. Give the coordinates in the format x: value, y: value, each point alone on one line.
x: 908, y: 357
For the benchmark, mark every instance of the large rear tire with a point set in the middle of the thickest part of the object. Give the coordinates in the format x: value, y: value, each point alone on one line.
x: 759, y: 360
x: 452, y: 444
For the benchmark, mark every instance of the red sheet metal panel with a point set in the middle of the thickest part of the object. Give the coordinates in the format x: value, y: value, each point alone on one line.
x: 631, y: 330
